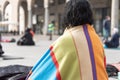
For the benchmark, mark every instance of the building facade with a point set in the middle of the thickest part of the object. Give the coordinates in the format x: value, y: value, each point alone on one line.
x: 17, y: 15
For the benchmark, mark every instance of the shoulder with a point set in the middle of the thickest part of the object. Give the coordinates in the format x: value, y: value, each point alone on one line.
x: 64, y: 41
x: 65, y: 38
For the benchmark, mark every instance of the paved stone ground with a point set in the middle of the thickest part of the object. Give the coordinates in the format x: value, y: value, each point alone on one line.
x: 24, y: 55
x: 29, y: 55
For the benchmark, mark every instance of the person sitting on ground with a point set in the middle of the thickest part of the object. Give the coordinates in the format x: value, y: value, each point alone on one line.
x: 1, y: 50
x: 78, y: 54
x: 27, y: 39
x: 8, y: 40
x: 114, y: 41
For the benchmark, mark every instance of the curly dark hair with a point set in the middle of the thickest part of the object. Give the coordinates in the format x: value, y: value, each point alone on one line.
x: 77, y: 12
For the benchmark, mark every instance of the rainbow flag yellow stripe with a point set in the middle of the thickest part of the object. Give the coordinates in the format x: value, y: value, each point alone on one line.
x: 73, y: 56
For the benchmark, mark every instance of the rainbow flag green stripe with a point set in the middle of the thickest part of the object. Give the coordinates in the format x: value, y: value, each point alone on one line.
x: 67, y: 57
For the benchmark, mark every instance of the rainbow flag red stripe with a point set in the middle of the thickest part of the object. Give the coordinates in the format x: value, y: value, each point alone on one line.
x: 56, y: 64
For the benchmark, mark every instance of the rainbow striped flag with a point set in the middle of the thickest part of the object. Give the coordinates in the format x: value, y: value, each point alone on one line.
x: 77, y: 55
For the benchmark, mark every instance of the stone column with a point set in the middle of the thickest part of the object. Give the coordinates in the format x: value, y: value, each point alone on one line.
x: 14, y: 18
x: 46, y: 4
x: 29, y: 15
x: 67, y: 0
x: 114, y: 14
x: 2, y: 16
x: 29, y: 18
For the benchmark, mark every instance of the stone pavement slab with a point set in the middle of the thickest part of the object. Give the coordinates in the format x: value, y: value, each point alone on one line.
x: 29, y: 55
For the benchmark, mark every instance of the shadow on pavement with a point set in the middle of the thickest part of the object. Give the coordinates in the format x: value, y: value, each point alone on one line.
x: 5, y: 57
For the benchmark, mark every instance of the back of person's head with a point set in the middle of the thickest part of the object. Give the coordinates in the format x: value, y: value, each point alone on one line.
x: 53, y: 22
x: 28, y: 30
x: 77, y: 12
x: 115, y: 30
x: 108, y: 17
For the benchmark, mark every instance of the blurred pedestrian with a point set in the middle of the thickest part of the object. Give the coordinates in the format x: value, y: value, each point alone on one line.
x: 27, y: 38
x: 114, y: 41
x: 1, y: 50
x: 106, y: 28
x: 51, y: 29
x: 78, y: 54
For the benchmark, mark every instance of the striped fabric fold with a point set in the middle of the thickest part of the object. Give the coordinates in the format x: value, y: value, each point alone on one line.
x: 73, y: 56
x: 91, y: 52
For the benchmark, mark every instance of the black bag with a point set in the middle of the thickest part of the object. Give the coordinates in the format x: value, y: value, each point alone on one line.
x: 112, y: 70
x: 21, y: 41
x: 14, y: 72
x: 12, y: 40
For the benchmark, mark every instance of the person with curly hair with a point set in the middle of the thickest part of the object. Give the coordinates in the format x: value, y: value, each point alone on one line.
x: 78, y: 54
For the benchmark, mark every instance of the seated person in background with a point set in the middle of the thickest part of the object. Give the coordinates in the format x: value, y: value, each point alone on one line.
x: 27, y: 39
x: 114, y: 41
x: 1, y: 51
x: 8, y: 40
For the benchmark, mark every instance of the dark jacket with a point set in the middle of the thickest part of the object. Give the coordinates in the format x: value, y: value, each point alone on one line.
x: 114, y: 42
x: 107, y: 24
x: 27, y: 39
x: 1, y: 51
